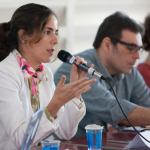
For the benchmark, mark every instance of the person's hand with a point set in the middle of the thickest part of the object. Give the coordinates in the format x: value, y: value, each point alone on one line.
x: 66, y: 92
x: 77, y: 73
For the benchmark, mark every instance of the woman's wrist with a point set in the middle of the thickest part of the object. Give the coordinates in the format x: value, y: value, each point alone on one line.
x: 53, y: 108
x: 78, y: 97
x: 49, y: 116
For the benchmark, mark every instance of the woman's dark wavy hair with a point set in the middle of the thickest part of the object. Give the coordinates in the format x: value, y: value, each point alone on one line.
x: 146, y: 36
x: 112, y: 27
x: 30, y: 17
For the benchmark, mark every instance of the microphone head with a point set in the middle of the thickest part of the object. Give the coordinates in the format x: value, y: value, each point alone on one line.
x: 64, y: 56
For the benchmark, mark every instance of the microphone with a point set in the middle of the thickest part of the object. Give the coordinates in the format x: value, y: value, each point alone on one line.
x: 68, y: 58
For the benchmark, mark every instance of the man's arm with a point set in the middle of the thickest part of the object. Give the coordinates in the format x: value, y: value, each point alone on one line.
x: 140, y: 116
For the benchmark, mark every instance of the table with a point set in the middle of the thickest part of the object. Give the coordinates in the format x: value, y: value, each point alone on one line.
x: 80, y: 143
x: 124, y: 135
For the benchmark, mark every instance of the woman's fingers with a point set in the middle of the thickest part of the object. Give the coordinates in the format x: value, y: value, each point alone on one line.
x: 77, y: 88
x: 74, y: 69
x: 80, y: 60
x: 62, y: 80
x: 81, y: 90
x: 84, y: 85
x: 92, y: 65
x: 83, y: 82
x: 76, y: 83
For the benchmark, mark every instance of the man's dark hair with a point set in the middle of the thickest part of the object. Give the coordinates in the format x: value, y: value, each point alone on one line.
x: 112, y: 27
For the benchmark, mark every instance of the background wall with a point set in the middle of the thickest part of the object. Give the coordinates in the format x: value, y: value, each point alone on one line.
x: 79, y: 19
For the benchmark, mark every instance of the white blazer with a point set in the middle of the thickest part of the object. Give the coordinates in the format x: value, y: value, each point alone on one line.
x: 16, y: 110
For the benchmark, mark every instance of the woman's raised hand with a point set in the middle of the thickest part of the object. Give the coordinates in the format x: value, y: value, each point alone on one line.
x: 66, y: 92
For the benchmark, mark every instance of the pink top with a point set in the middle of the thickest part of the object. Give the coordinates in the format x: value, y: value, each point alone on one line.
x: 144, y: 69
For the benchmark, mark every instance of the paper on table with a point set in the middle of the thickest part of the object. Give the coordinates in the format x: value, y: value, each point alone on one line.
x: 138, y: 141
x: 131, y: 128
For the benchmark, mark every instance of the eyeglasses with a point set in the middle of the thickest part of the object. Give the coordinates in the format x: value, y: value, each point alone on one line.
x: 132, y: 47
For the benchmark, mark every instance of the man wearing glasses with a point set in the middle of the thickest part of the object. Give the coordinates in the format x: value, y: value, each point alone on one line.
x: 117, y: 46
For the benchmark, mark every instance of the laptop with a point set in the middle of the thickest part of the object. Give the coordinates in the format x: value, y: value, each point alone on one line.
x: 31, y: 129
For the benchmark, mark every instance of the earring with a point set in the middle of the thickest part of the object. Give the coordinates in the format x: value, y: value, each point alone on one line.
x: 24, y: 41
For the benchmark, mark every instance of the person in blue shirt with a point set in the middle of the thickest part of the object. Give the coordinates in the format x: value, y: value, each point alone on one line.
x: 117, y: 46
